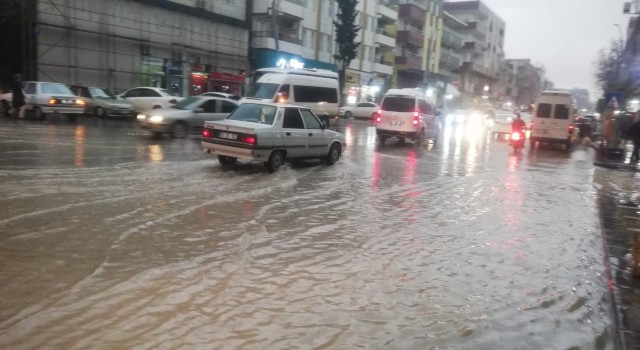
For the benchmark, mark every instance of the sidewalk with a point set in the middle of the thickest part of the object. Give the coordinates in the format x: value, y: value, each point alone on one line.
x: 618, y: 186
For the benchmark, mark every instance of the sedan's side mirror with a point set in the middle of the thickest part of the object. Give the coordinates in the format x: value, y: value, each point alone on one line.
x: 199, y: 110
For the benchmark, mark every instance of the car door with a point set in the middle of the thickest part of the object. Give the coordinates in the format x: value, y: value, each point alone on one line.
x: 151, y: 98
x: 295, y: 134
x: 206, y: 111
x: 135, y: 97
x: 318, y: 138
x: 560, y: 121
x: 225, y: 107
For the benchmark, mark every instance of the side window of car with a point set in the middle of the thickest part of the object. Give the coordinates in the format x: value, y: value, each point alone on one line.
x: 362, y: 105
x: 133, y: 93
x: 292, y: 119
x: 310, y: 120
x: 149, y: 93
x: 228, y: 107
x: 209, y: 106
x: 30, y: 89
x: 84, y: 92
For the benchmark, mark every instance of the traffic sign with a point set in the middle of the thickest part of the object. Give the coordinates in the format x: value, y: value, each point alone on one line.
x: 613, y: 100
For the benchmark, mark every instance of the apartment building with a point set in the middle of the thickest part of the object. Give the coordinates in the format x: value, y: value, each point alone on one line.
x: 482, y: 50
x: 188, y: 47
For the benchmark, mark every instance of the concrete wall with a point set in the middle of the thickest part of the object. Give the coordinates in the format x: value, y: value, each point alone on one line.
x: 101, y: 42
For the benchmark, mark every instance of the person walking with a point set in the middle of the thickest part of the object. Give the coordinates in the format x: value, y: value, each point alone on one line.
x: 17, y: 99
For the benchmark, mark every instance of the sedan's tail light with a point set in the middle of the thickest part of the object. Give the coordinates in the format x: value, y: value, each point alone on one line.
x: 206, y: 133
x: 570, y: 128
x: 173, y: 101
x: 250, y: 139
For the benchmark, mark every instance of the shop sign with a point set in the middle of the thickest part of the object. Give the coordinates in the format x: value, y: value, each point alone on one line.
x: 352, y: 78
x: 289, y: 63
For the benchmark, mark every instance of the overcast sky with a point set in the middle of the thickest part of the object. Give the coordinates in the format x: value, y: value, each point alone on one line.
x: 564, y: 35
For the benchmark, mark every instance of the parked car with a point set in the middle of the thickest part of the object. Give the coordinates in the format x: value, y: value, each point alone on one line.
x: 222, y: 94
x: 271, y: 133
x: 146, y: 98
x: 187, y: 116
x: 102, y: 102
x: 42, y: 98
x: 366, y: 110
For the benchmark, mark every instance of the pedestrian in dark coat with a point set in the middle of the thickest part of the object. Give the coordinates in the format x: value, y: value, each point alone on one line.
x: 634, y: 135
x: 17, y: 100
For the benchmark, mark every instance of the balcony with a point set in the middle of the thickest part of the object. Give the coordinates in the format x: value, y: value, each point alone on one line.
x: 384, y: 68
x: 386, y: 15
x: 451, y: 40
x: 410, y: 37
x: 477, y: 29
x: 287, y: 43
x: 384, y: 38
x: 409, y: 62
x: 412, y: 13
x: 450, y: 59
x: 293, y: 9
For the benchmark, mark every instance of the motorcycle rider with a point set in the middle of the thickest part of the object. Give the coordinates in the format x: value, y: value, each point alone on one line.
x: 518, y: 125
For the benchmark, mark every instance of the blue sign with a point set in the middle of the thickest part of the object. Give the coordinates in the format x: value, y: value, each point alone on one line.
x: 613, y: 100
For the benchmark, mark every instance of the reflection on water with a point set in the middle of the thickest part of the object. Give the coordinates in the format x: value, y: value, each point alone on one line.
x: 156, y: 154
x: 80, y: 146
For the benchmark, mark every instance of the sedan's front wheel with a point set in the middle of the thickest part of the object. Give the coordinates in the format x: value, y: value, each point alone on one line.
x: 179, y: 130
x: 334, y: 154
x: 275, y: 161
x: 100, y: 113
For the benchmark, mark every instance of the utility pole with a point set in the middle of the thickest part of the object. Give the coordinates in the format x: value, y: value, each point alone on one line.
x: 274, y: 23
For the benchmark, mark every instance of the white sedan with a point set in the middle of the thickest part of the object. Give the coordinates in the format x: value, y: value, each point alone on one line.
x: 271, y: 133
x: 145, y: 98
x: 361, y: 110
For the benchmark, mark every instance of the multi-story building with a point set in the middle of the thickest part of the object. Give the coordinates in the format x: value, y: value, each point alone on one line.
x: 372, y: 70
x: 451, y: 54
x: 483, y: 49
x: 186, y: 46
x: 418, y: 43
x: 305, y: 38
x: 523, y: 82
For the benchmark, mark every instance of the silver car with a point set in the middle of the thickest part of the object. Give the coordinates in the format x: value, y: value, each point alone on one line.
x: 187, y: 116
x: 271, y: 133
x: 103, y: 103
x: 42, y: 98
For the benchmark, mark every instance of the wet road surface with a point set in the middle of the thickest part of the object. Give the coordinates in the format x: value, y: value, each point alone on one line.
x: 110, y: 238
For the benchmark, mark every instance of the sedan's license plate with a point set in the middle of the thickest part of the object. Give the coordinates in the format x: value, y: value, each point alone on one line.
x: 67, y: 102
x: 395, y: 123
x: 229, y: 136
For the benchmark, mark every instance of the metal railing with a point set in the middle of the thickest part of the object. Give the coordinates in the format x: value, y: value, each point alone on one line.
x: 302, y: 3
x: 385, y: 32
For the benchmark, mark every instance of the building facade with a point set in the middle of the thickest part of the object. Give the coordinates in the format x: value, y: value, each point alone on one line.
x: 483, y: 50
x: 188, y: 47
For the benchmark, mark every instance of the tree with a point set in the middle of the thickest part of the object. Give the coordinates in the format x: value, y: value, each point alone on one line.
x: 346, y: 33
x: 613, y: 73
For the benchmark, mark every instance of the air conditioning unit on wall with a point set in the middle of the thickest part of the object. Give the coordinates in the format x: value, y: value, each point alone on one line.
x: 201, y: 4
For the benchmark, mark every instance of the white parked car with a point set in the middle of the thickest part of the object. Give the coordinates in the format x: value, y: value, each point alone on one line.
x: 187, y: 116
x: 42, y: 98
x: 366, y: 110
x: 271, y: 133
x: 146, y: 98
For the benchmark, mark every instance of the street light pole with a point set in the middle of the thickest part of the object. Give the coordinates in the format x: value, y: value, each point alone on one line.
x: 274, y: 24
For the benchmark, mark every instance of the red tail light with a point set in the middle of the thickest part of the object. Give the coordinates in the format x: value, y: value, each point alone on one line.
x: 570, y: 128
x: 379, y: 116
x: 174, y: 101
x: 249, y: 139
x: 206, y: 133
x: 416, y: 118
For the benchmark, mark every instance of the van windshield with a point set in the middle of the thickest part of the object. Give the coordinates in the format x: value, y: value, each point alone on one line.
x: 399, y: 104
x: 264, y: 90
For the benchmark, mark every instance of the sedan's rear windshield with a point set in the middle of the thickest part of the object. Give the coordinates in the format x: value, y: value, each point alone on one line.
x: 254, y: 113
x: 398, y: 104
x: 55, y: 89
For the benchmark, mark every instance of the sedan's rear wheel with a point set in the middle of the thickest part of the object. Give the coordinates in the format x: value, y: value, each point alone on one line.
x: 334, y: 154
x: 276, y: 159
x: 100, y: 113
x: 224, y: 160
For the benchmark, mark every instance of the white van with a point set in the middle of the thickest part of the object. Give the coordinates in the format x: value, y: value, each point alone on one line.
x: 316, y: 89
x: 406, y: 113
x: 552, y: 120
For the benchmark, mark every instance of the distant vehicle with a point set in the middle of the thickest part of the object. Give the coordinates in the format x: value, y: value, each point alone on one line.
x: 42, y: 98
x: 405, y: 113
x: 223, y: 95
x: 187, y: 116
x: 366, y: 110
x: 553, y: 119
x: 501, y: 124
x: 146, y: 98
x: 271, y: 133
x: 464, y: 116
x: 103, y: 103
x: 316, y: 89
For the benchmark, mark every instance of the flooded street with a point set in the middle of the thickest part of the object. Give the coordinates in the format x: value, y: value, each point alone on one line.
x: 110, y: 238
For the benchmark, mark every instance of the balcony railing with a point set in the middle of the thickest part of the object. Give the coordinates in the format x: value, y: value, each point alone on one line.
x: 411, y: 38
x: 302, y: 3
x: 281, y: 36
x: 385, y: 32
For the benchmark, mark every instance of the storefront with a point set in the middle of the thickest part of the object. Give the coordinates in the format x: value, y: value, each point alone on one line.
x: 361, y: 87
x: 228, y: 83
x: 152, y: 72
x: 199, y: 79
x: 267, y: 58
